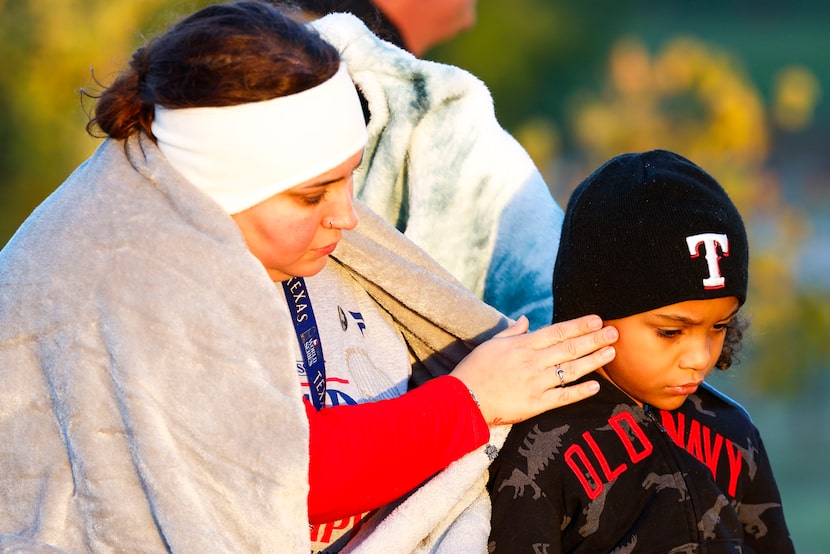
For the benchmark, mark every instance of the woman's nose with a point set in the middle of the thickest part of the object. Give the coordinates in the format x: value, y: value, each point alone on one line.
x: 343, y: 215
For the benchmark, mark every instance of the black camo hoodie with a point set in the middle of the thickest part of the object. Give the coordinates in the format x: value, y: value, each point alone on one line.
x: 605, y: 475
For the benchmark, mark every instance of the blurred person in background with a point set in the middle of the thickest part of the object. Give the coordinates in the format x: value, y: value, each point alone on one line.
x: 415, y: 25
x: 438, y: 165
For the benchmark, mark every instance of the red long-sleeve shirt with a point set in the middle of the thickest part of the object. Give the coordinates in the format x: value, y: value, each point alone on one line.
x: 366, y: 455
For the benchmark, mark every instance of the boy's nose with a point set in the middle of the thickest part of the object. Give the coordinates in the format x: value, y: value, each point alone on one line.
x: 698, y: 356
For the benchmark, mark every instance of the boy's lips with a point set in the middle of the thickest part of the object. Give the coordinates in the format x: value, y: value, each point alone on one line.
x: 685, y: 389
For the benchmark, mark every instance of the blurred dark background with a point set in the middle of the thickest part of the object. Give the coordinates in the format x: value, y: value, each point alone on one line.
x: 740, y: 87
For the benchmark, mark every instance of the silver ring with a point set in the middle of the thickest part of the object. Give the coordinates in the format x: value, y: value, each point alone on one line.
x: 561, y: 373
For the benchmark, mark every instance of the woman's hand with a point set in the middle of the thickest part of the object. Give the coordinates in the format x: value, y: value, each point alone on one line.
x: 517, y: 375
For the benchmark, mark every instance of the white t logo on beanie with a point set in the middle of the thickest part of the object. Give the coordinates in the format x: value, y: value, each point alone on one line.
x: 710, y: 241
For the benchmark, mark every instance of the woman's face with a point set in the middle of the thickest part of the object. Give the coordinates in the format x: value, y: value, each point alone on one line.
x: 291, y: 234
x: 663, y: 355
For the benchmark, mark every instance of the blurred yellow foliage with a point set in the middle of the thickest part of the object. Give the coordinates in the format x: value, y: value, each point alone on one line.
x: 796, y: 94
x: 689, y: 97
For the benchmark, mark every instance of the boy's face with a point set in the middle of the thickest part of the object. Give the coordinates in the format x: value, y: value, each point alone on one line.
x: 664, y: 354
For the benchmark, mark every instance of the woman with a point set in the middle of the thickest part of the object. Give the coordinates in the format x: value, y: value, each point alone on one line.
x: 151, y: 378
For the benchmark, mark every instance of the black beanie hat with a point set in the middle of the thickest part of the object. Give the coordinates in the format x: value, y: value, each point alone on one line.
x: 647, y: 230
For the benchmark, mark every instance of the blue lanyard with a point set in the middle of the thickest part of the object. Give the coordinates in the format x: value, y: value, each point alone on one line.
x: 299, y: 304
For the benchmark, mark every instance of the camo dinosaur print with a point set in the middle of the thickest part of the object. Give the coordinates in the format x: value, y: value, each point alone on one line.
x: 605, y: 475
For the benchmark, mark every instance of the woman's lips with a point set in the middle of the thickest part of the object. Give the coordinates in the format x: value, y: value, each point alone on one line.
x: 326, y: 250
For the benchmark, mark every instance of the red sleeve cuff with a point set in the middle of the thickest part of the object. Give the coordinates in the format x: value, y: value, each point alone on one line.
x: 366, y: 455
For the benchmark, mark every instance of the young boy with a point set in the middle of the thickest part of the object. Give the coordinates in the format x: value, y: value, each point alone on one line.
x: 656, y: 461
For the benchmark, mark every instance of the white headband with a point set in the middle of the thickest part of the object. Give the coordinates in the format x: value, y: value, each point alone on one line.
x: 241, y: 155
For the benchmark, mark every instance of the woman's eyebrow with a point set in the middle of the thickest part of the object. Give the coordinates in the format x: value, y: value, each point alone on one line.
x: 320, y: 184
x: 326, y: 182
x: 313, y: 186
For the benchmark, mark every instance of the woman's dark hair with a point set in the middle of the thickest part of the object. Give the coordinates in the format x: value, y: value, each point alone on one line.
x: 222, y: 55
x: 732, y: 343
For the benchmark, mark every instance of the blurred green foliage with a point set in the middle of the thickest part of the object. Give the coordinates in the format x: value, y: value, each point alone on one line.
x: 50, y: 50
x: 575, y: 81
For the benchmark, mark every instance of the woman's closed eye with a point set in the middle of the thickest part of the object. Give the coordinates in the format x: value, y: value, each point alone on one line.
x: 313, y: 200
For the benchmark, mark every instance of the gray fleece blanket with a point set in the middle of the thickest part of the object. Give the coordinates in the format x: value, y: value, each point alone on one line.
x: 148, y: 396
x: 440, y: 168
